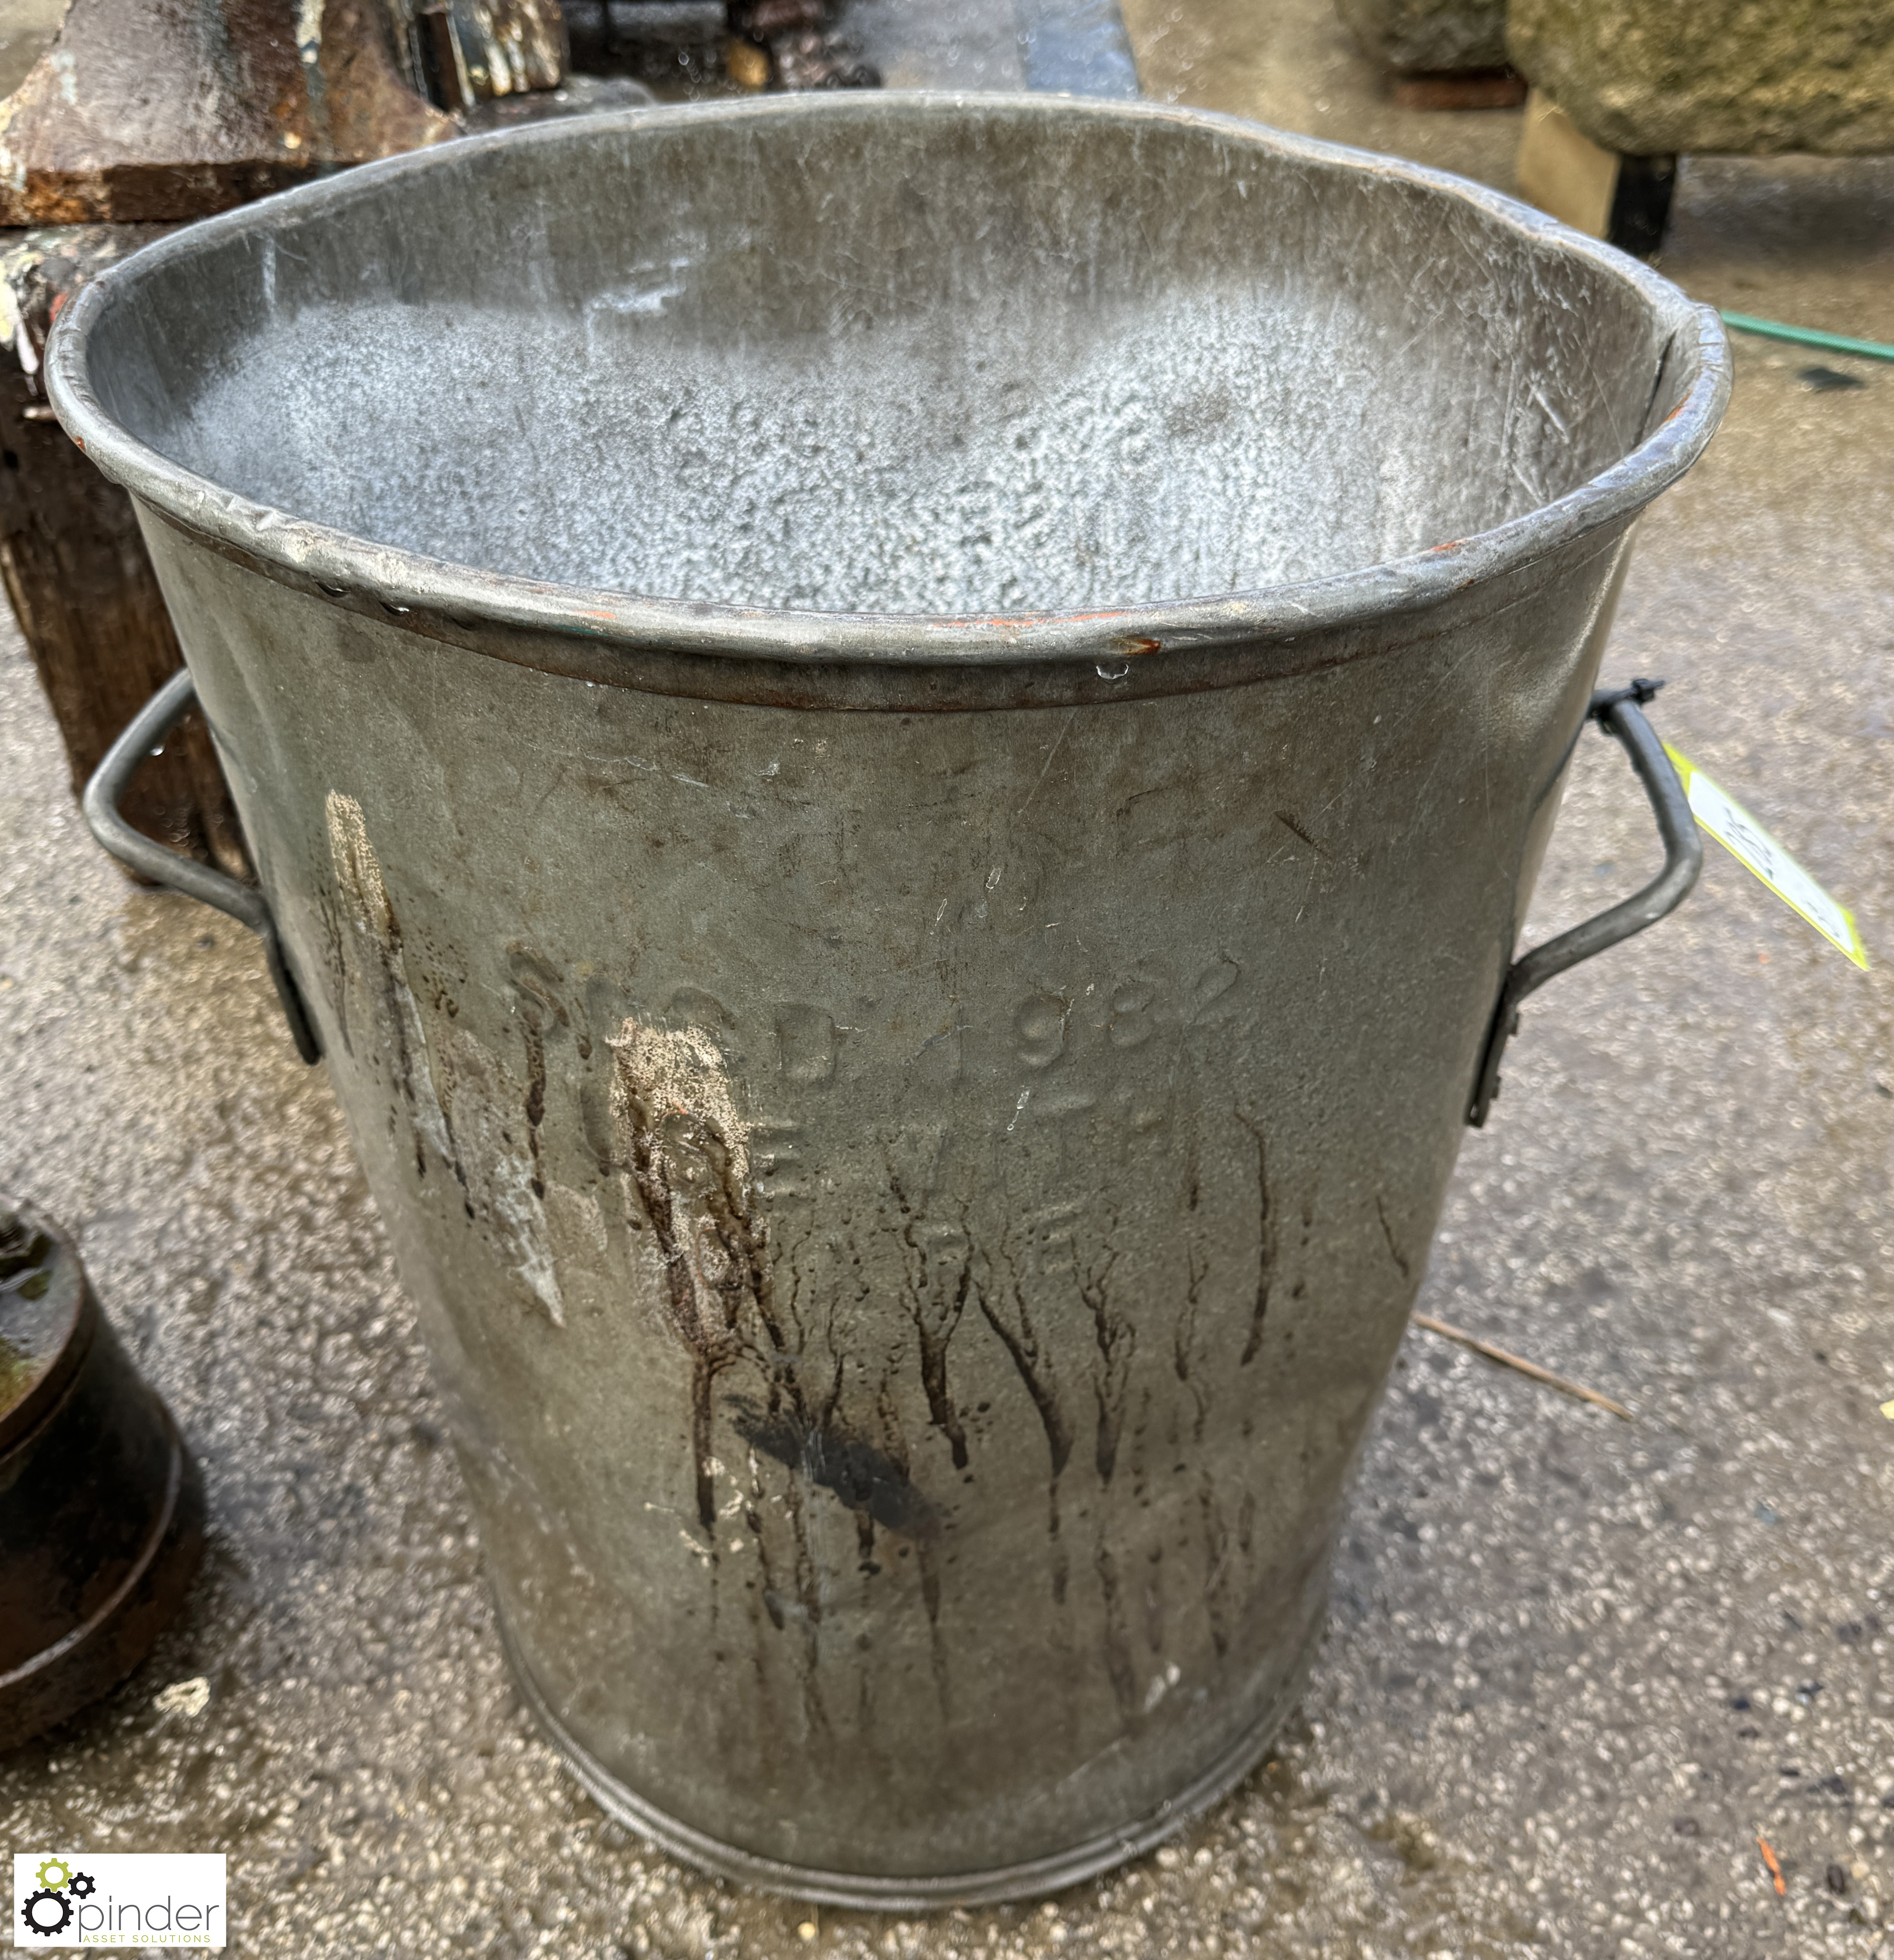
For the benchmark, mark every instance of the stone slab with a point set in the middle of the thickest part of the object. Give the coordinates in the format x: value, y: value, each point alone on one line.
x: 1753, y: 78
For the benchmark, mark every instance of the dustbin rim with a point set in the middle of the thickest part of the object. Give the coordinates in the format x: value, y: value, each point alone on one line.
x: 300, y: 552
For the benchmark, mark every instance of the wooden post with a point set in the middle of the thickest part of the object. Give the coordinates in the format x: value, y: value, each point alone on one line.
x: 1624, y: 200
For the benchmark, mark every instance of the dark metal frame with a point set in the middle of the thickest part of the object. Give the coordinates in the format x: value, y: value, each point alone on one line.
x: 143, y: 734
x: 1616, y: 711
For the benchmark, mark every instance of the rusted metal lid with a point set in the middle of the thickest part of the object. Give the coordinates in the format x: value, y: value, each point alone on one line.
x: 45, y: 1328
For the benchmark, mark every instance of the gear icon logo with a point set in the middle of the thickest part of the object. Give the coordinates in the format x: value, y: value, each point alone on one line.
x: 47, y: 1913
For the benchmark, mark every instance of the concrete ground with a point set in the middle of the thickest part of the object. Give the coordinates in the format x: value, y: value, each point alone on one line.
x: 1576, y: 1665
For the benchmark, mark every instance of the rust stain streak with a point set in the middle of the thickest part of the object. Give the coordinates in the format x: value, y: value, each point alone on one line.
x: 1035, y: 1374
x: 535, y: 1101
x: 1115, y: 1339
x: 1023, y: 1347
x: 936, y: 1313
x: 1399, y: 1257
x: 713, y: 1252
x: 1265, y: 1244
x: 1117, y: 1647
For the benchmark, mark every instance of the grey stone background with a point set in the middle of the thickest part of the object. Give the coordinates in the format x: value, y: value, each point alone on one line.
x: 1576, y: 1666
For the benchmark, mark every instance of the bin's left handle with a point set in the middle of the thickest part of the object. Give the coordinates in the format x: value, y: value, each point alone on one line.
x: 1617, y: 711
x: 100, y: 803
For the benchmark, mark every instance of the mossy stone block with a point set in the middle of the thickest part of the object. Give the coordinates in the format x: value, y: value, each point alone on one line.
x: 1753, y: 78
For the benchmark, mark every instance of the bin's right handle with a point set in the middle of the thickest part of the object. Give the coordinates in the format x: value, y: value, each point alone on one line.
x: 1617, y: 711
x: 142, y: 734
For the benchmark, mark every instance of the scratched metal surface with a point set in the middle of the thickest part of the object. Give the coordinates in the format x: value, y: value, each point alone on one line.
x: 1520, y: 1736
x: 985, y: 380
x: 911, y: 1212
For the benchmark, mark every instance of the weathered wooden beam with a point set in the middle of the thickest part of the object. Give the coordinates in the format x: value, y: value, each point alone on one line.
x: 75, y: 567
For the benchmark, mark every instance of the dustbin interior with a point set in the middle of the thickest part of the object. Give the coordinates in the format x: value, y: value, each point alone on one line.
x: 995, y: 357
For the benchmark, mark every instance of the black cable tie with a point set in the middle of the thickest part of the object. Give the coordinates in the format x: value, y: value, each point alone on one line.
x: 1644, y: 692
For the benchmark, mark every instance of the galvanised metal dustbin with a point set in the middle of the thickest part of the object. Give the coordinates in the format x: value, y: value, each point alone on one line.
x: 896, y: 744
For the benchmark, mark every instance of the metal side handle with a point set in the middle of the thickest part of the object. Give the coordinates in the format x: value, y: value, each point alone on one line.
x: 178, y: 873
x: 1617, y: 711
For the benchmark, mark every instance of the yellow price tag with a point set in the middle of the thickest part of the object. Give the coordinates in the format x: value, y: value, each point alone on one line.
x: 1750, y: 845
